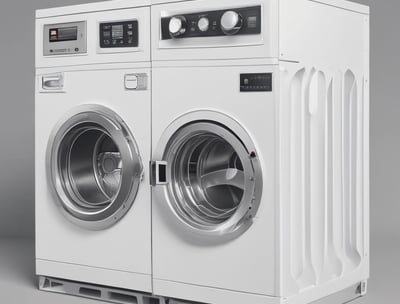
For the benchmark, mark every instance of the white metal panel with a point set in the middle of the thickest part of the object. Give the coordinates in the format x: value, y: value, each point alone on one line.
x: 82, y: 273
x: 347, y: 5
x: 316, y: 33
x: 264, y: 45
x: 209, y: 295
x: 247, y: 263
x: 93, y: 56
x: 126, y: 246
x: 324, y: 118
x: 322, y: 175
x: 91, y: 7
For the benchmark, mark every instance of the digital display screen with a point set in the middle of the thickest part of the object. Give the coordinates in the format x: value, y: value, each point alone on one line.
x: 117, y: 31
x: 119, y: 34
x: 63, y: 34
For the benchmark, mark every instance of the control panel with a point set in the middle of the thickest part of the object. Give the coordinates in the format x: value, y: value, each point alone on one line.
x: 239, y: 21
x: 64, y: 38
x: 119, y: 34
x: 258, y: 82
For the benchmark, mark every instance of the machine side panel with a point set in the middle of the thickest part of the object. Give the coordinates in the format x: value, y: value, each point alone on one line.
x: 324, y: 146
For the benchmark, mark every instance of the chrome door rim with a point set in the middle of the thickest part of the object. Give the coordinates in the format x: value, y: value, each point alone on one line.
x: 241, y: 219
x: 103, y: 120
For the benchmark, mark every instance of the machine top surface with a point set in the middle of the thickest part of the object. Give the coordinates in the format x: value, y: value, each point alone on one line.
x: 344, y: 4
x: 91, y: 7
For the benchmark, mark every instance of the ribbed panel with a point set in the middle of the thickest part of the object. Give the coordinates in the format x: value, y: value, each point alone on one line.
x: 325, y: 174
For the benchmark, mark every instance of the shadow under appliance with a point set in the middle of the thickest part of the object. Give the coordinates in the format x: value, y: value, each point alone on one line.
x: 93, y: 107
x: 260, y: 166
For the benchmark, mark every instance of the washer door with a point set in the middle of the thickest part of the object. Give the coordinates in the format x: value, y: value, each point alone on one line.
x: 94, y: 166
x: 214, y: 180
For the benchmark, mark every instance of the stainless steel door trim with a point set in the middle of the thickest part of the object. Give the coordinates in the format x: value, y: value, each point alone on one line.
x: 107, y: 128
x: 230, y: 130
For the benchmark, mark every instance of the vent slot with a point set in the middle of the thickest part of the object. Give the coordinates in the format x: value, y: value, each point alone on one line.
x: 151, y: 301
x: 90, y: 292
x: 123, y: 298
x: 56, y: 284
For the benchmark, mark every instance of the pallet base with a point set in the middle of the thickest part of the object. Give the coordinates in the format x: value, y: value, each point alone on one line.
x: 122, y: 296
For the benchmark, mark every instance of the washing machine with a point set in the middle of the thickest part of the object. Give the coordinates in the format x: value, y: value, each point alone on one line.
x: 260, y: 163
x: 93, y: 130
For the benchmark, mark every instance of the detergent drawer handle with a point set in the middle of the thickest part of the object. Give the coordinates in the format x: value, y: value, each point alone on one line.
x: 53, y: 82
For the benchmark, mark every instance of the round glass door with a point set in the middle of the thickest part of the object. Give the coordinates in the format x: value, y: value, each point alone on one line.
x: 95, y: 167
x: 214, y: 180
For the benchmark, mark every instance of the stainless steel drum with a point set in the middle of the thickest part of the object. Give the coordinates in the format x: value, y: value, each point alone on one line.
x: 94, y: 166
x: 214, y: 181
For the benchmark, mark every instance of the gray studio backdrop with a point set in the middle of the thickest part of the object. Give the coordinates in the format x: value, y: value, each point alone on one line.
x: 17, y: 116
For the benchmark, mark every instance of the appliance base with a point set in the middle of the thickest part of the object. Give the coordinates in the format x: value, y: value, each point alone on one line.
x: 98, y: 292
x: 123, y: 296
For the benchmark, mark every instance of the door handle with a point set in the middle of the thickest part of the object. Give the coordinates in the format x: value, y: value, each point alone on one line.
x: 158, y: 171
x: 53, y: 82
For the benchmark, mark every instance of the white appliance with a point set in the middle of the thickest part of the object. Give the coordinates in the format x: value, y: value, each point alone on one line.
x: 261, y: 150
x: 93, y: 114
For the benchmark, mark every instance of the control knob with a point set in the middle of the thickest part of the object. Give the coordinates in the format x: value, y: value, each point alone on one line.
x: 177, y: 26
x: 231, y: 22
x: 203, y: 24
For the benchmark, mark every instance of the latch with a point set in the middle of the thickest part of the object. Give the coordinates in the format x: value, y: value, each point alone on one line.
x: 136, y: 81
x: 158, y: 171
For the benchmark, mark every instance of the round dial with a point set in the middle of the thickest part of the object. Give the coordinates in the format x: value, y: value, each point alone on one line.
x: 203, y: 24
x: 177, y: 26
x: 231, y: 22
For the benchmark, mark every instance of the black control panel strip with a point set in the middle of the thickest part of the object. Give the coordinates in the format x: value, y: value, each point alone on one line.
x: 251, y: 23
x: 258, y: 82
x: 119, y: 34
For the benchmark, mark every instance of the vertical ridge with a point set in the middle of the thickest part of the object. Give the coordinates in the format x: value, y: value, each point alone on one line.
x: 297, y: 257
x: 317, y: 104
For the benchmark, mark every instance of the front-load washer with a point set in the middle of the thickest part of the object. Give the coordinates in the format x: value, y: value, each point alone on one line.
x: 260, y: 166
x: 93, y: 111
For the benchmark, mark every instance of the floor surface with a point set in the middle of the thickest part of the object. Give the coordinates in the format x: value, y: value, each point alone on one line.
x: 18, y: 284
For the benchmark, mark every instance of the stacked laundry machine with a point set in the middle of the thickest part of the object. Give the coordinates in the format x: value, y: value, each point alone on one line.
x: 203, y: 151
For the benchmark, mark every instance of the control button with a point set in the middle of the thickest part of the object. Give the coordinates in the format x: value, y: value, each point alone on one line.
x: 252, y: 22
x: 231, y: 22
x: 203, y: 24
x: 107, y: 34
x: 177, y: 26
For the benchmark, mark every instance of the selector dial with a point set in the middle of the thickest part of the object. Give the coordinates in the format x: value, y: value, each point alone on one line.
x: 177, y: 26
x: 231, y: 22
x: 203, y: 24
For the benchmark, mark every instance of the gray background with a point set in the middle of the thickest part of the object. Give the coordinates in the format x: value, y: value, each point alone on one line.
x: 17, y: 132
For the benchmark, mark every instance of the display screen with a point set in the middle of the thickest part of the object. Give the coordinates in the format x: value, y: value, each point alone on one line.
x: 119, y: 34
x: 117, y: 31
x: 63, y: 34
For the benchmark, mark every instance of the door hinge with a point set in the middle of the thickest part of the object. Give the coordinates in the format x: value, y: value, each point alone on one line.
x: 158, y: 171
